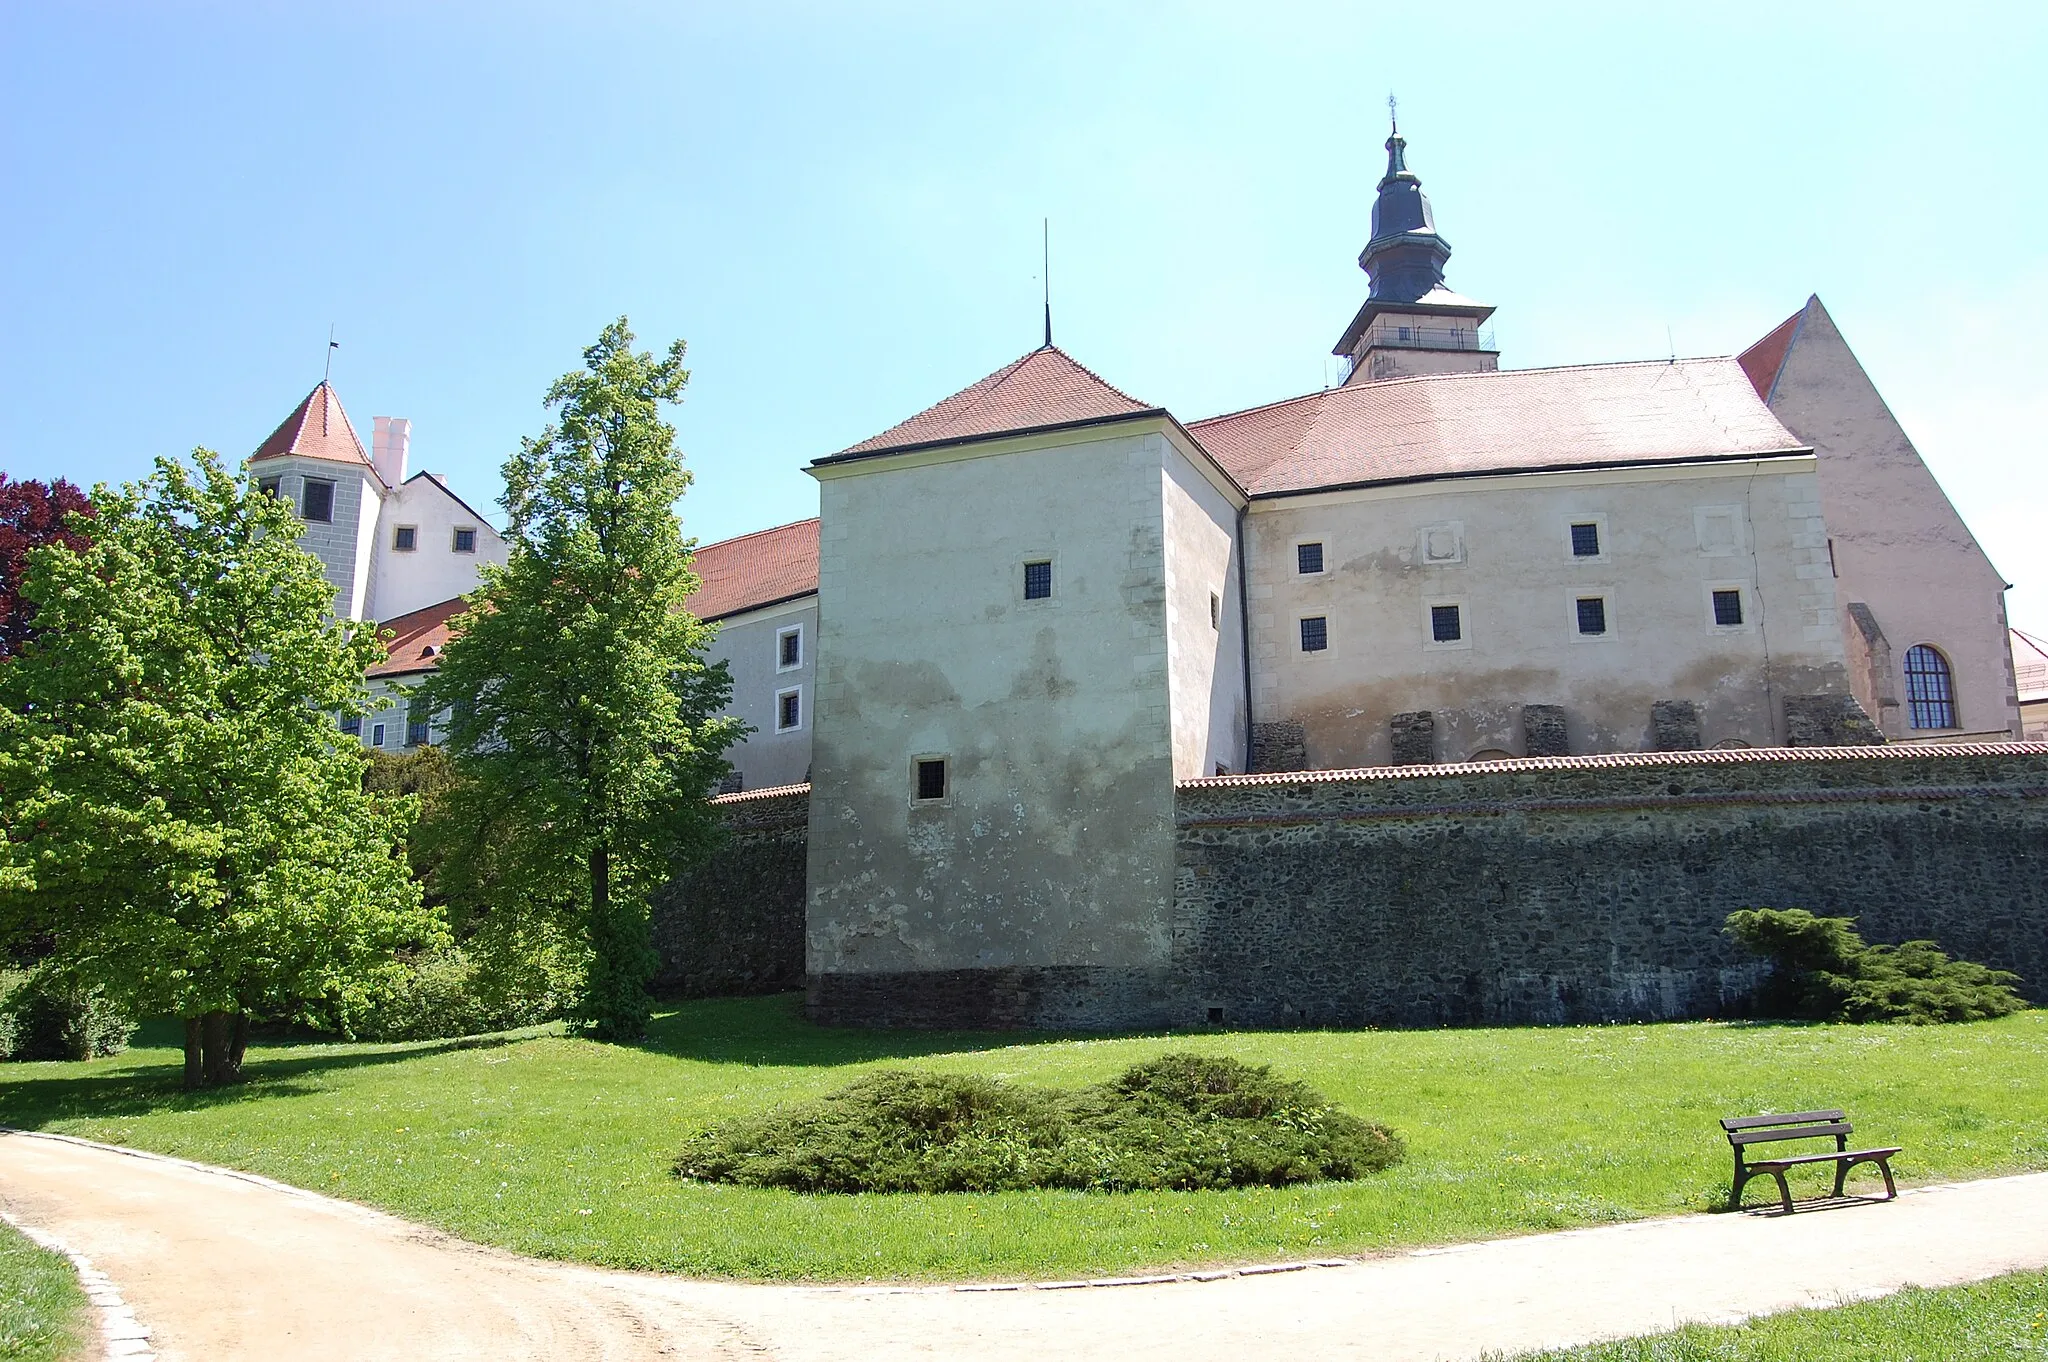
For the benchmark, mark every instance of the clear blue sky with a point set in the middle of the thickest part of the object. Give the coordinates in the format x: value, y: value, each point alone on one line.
x: 839, y: 207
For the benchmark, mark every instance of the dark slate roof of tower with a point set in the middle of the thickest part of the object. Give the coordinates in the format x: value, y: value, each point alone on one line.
x: 1405, y: 257
x: 1045, y: 389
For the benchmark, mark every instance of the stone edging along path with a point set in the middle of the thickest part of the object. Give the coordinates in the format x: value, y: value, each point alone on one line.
x: 340, y: 1281
x: 121, y: 1333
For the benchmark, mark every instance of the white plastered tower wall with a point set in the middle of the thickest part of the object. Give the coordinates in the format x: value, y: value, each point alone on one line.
x: 1053, y: 845
x: 1204, y: 614
x: 1900, y: 550
x: 1499, y: 549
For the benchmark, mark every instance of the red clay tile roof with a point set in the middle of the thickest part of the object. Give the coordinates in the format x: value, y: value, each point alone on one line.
x: 318, y: 429
x: 1763, y: 360
x: 1512, y: 421
x: 1044, y: 388
x: 418, y: 639
x: 756, y: 569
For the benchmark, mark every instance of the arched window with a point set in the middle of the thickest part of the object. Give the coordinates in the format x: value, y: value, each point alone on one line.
x: 1930, y: 689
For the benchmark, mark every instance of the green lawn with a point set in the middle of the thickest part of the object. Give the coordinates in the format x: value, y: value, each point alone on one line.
x: 561, y: 1147
x: 42, y: 1307
x: 2002, y: 1320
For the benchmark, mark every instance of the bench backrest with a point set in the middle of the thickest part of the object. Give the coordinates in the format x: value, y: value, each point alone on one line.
x: 1791, y: 1125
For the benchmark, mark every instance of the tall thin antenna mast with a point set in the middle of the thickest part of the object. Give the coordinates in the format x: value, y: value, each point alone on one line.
x: 332, y: 346
x: 1045, y: 276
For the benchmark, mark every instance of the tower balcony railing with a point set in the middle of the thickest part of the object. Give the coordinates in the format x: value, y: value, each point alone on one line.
x: 1390, y: 335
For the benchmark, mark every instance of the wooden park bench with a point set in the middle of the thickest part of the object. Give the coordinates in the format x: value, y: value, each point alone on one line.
x: 1745, y: 1131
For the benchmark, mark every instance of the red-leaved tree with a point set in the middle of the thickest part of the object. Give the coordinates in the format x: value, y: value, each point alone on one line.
x: 31, y: 514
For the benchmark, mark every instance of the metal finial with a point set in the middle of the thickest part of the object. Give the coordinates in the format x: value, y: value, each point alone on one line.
x: 332, y: 346
x: 1045, y: 275
x: 1393, y: 113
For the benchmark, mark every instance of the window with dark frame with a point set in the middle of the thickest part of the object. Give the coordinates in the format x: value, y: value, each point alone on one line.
x: 1727, y: 608
x: 1038, y: 580
x: 316, y: 501
x: 1308, y: 559
x: 269, y: 486
x: 790, y: 648
x: 376, y: 735
x: 1586, y: 540
x: 405, y: 538
x: 1930, y: 689
x: 931, y: 778
x: 1445, y: 626
x: 352, y: 724
x: 415, y: 727
x: 789, y: 710
x: 465, y: 541
x: 1315, y: 634
x: 1592, y: 615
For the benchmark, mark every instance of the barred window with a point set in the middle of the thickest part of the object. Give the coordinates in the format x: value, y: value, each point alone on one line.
x: 1592, y: 615
x: 789, y: 710
x: 1308, y: 559
x: 1037, y: 581
x: 1315, y: 634
x: 465, y: 541
x: 316, y: 501
x: 931, y: 778
x: 1930, y: 689
x: 415, y: 726
x: 1586, y: 540
x: 1445, y: 626
x: 1727, y: 608
x: 405, y: 538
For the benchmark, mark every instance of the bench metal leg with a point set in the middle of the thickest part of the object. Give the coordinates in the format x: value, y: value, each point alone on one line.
x: 1891, y: 1192
x: 1841, y: 1175
x: 1784, y: 1192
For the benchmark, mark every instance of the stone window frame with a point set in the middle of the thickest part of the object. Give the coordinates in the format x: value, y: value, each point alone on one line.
x: 1913, y: 702
x: 1422, y: 536
x: 405, y: 538
x: 1598, y: 520
x: 455, y: 534
x: 802, y: 710
x: 1602, y: 593
x: 1051, y: 599
x: 1711, y: 621
x: 789, y: 631
x: 1739, y: 542
x: 917, y: 761
x: 1321, y: 544
x: 271, y: 487
x: 306, y: 486
x: 1429, y: 639
x: 1301, y: 647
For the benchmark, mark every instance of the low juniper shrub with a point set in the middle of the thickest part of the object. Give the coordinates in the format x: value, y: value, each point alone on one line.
x: 1177, y: 1122
x: 1823, y: 970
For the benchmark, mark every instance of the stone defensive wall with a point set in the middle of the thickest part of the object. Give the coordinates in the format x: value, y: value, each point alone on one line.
x: 1553, y: 889
x: 1580, y: 889
x: 736, y: 925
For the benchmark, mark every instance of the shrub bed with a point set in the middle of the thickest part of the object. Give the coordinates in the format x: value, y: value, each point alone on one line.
x: 44, y: 1017
x: 1823, y: 970
x: 1178, y: 1122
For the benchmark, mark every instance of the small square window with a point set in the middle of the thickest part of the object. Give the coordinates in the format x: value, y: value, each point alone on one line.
x: 465, y: 541
x: 316, y: 501
x: 789, y: 649
x: 1445, y: 626
x: 1592, y: 615
x: 1586, y: 540
x: 352, y: 724
x: 269, y: 486
x: 789, y: 711
x: 415, y: 728
x: 405, y: 538
x: 1728, y: 608
x: 1038, y: 581
x: 1215, y: 611
x: 1315, y: 634
x: 1308, y: 559
x: 376, y: 735
x: 931, y: 778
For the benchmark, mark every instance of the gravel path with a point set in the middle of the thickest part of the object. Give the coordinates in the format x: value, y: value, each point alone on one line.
x: 223, y: 1266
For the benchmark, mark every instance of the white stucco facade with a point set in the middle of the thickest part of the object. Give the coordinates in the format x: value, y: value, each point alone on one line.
x: 771, y: 694
x: 436, y: 566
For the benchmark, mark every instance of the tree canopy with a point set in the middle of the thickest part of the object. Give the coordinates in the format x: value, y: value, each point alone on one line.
x: 582, y: 708
x: 183, y: 823
x: 31, y: 514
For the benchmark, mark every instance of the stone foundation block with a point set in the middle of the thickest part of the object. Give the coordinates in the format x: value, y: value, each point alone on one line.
x: 1414, y: 736
x: 1543, y: 731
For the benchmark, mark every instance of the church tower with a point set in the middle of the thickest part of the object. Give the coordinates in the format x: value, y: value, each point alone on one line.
x: 1411, y: 322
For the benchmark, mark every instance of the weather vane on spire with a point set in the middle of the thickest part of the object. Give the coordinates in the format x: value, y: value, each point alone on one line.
x: 1393, y: 112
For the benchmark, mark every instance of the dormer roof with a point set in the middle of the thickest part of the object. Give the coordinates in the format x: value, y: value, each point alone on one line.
x: 317, y: 429
x: 1044, y: 390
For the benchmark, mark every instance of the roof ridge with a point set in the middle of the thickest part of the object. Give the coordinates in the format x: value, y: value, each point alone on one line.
x: 753, y: 534
x: 1135, y: 401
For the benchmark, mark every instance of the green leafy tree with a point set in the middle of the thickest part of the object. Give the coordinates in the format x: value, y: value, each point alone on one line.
x: 183, y: 824
x: 582, y: 709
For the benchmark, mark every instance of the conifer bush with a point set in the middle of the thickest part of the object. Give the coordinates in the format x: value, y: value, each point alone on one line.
x: 44, y: 1017
x: 1178, y: 1122
x: 1823, y: 970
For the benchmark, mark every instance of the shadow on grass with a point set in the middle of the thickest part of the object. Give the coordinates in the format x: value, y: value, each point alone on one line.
x: 772, y: 1031
x: 141, y: 1084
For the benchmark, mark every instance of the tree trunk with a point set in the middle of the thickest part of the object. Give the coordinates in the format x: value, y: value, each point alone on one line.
x: 195, y: 1069
x: 238, y: 1044
x: 219, y: 1062
x: 615, y: 1002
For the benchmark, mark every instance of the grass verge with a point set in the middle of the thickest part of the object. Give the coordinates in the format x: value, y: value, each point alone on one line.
x: 548, y: 1145
x: 2001, y: 1320
x: 42, y: 1306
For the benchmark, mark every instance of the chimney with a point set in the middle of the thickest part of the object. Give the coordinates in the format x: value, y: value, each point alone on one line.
x: 391, y: 440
